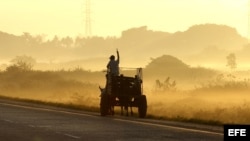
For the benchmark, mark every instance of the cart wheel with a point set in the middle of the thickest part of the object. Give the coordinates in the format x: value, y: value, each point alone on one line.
x: 142, y: 107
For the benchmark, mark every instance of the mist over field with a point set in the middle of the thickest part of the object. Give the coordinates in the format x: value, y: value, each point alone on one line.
x: 205, y: 45
x: 201, y: 73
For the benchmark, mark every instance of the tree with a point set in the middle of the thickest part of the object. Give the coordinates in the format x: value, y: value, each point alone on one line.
x: 23, y: 63
x: 67, y: 42
x: 231, y: 61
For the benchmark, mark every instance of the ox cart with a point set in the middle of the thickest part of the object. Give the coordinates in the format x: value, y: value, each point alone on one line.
x: 123, y: 91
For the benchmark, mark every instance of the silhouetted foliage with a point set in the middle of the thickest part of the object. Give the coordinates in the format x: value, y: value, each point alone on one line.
x: 134, y: 40
x: 22, y: 63
x: 167, y: 85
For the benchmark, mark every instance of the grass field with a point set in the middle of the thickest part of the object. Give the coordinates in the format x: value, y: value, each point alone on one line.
x: 216, y: 102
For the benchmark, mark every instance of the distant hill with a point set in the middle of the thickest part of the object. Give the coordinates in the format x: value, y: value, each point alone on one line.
x: 197, y: 38
x: 169, y: 66
x: 206, y: 42
x: 165, y: 63
x: 136, y: 45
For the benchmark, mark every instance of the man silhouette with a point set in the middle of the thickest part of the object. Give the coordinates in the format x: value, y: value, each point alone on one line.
x: 113, y: 65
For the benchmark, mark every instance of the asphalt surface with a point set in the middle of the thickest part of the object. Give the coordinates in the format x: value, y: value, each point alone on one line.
x: 24, y: 122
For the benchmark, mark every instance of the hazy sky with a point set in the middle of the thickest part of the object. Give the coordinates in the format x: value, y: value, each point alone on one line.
x: 110, y: 17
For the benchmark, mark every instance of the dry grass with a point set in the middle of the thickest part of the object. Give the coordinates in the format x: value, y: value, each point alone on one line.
x: 216, y: 102
x: 49, y: 86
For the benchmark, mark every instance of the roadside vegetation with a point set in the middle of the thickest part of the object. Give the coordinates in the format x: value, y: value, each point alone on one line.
x: 219, y: 101
x: 62, y: 86
x: 224, y: 98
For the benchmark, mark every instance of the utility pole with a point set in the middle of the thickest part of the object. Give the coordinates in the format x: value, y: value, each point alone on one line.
x: 87, y: 18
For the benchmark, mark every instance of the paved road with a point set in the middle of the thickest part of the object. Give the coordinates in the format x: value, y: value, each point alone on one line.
x: 32, y: 123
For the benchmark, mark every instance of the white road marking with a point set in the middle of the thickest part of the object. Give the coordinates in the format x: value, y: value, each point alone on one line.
x: 51, y: 110
x: 10, y: 121
x: 44, y: 126
x: 93, y: 116
x: 173, y: 127
x: 72, y: 136
x: 33, y: 126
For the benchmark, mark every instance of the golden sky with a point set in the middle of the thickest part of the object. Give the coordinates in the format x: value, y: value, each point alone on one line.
x: 110, y: 17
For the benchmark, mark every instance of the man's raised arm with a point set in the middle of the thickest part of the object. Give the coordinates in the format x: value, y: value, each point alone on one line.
x: 118, y: 56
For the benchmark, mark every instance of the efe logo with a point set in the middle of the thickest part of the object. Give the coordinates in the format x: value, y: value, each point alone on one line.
x: 236, y: 132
